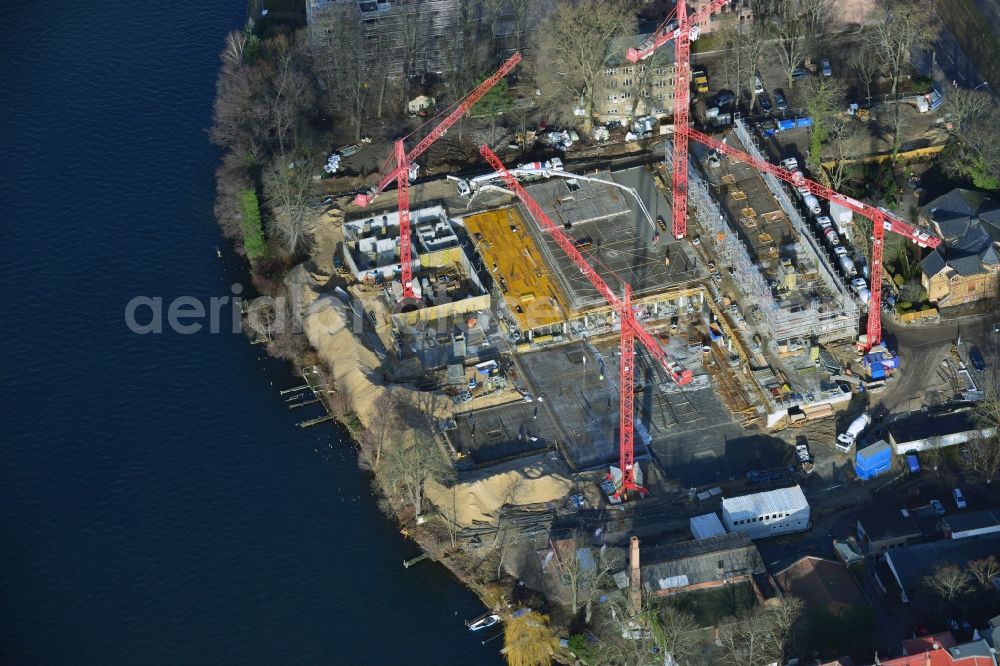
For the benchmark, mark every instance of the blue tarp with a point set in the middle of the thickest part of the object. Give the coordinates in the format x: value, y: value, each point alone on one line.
x: 804, y: 122
x: 877, y: 371
x: 786, y: 124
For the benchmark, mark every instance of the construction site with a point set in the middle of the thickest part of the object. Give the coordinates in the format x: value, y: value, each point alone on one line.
x: 638, y: 329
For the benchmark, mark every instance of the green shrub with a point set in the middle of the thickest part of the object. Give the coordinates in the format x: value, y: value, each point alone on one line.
x: 898, y: 279
x: 921, y: 83
x: 904, y: 306
x: 253, y: 232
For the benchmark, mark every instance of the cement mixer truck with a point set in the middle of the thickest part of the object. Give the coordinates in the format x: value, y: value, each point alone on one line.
x: 846, y: 439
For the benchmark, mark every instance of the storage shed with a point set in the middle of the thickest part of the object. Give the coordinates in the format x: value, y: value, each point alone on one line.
x: 768, y: 513
x: 873, y: 460
x: 708, y: 525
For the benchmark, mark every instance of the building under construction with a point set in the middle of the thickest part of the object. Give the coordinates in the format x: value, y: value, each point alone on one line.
x: 773, y: 259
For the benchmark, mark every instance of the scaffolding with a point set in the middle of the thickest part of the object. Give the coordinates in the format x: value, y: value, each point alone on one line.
x: 782, y: 321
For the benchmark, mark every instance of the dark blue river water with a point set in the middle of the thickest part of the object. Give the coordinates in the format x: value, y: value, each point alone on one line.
x: 158, y: 504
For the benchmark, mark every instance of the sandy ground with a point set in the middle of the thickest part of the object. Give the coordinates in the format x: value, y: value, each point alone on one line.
x: 356, y: 372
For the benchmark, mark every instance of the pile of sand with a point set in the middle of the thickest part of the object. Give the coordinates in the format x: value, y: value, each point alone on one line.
x: 480, y: 498
x: 355, y: 370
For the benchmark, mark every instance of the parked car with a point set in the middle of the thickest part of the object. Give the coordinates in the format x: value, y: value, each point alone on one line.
x: 765, y: 103
x: 913, y: 463
x: 779, y: 100
x: 758, y: 86
x: 959, y: 498
x: 937, y: 506
x: 858, y: 283
x: 827, y: 70
x: 976, y: 359
x: 800, y: 73
x: 723, y: 98
x: 661, y: 223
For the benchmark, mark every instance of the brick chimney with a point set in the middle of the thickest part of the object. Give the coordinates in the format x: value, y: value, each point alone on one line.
x: 635, y: 581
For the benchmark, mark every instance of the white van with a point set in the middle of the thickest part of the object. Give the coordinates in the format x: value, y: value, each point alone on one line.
x: 959, y: 498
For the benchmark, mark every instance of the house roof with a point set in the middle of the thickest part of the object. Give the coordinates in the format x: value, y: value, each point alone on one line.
x: 969, y: 223
x: 708, y: 525
x: 922, y: 425
x: 821, y: 583
x: 888, y: 522
x: 694, y: 562
x: 961, y: 204
x: 933, y: 263
x: 972, y: 649
x: 941, y: 650
x: 973, y: 520
x: 921, y: 644
x: 913, y: 563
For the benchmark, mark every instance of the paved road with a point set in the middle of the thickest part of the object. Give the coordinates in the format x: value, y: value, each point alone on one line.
x: 921, y: 349
x: 951, y: 61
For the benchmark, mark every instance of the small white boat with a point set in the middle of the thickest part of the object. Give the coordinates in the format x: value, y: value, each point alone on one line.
x: 484, y: 621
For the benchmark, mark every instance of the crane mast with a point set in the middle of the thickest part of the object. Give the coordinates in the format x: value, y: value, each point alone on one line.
x: 401, y: 171
x: 682, y: 102
x: 626, y: 400
x: 664, y: 33
x: 882, y: 221
x: 631, y: 328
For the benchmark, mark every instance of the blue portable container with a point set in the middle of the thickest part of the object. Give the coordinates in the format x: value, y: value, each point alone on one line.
x: 873, y: 460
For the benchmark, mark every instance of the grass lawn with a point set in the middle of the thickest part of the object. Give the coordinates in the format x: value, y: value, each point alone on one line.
x: 710, y: 607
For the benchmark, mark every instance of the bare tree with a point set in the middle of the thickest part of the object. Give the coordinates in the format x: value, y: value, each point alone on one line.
x: 572, y: 54
x: 787, y: 38
x: 584, y: 573
x: 385, y: 427
x: 625, y: 636
x: 292, y: 95
x: 816, y: 14
x: 866, y: 64
x: 746, y: 45
x: 407, y: 467
x: 764, y: 636
x: 901, y: 26
x: 974, y: 151
x: 675, y: 632
x: 346, y: 69
x: 985, y: 570
x: 290, y: 191
x: 846, y: 141
x: 983, y: 451
x: 949, y: 582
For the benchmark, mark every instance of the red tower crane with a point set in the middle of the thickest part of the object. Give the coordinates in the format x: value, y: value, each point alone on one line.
x: 882, y: 220
x: 397, y: 167
x: 631, y: 328
x: 686, y: 30
x: 626, y: 399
